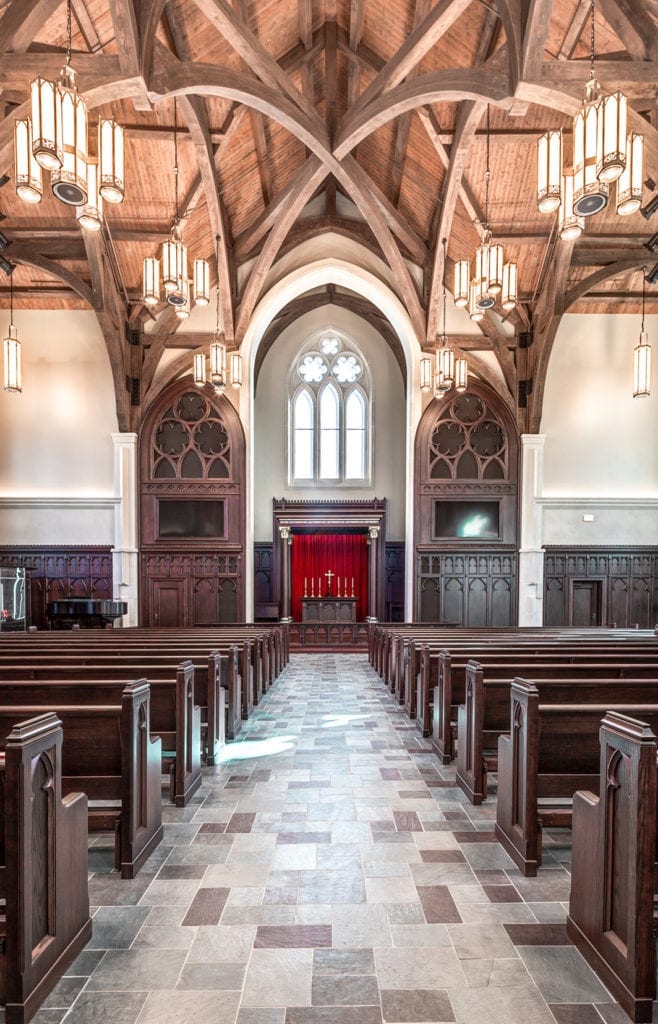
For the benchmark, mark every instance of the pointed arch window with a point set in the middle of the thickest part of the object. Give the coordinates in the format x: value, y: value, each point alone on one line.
x: 329, y: 414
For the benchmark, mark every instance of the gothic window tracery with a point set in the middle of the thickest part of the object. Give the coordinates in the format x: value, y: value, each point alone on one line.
x: 191, y: 442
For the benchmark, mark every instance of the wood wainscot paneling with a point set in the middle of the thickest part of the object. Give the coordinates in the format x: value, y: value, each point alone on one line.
x: 56, y: 571
x: 394, y: 581
x: 469, y: 588
x: 192, y: 513
x: 598, y: 586
x: 266, y: 604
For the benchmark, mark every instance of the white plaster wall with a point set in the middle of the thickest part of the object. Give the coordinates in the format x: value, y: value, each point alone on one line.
x: 389, y: 419
x: 58, y: 433
x: 601, y: 450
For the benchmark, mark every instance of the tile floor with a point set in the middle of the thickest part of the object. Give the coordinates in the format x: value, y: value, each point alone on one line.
x: 329, y: 872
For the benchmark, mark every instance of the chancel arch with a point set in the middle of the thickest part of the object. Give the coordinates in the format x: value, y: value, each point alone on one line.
x: 466, y: 510
x: 191, y: 509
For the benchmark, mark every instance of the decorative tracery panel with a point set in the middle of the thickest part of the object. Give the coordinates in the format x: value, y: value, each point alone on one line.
x: 192, y: 509
x: 466, y: 510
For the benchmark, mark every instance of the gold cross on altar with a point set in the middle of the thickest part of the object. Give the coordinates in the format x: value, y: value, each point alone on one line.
x: 329, y: 574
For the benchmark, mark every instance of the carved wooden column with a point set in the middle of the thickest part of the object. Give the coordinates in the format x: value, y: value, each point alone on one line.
x: 125, y: 554
x: 286, y: 543
x: 373, y: 560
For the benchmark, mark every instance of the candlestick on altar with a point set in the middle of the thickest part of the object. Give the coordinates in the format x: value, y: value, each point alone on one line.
x: 305, y: 588
x: 352, y: 586
x: 319, y: 586
x: 312, y: 587
x: 345, y: 587
x: 337, y: 586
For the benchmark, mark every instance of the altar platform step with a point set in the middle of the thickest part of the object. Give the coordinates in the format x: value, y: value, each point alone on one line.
x: 330, y: 636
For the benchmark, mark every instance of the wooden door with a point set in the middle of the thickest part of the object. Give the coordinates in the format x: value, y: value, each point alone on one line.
x: 168, y: 605
x: 586, y: 609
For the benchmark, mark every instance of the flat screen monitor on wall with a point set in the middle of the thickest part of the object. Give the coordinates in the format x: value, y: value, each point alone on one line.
x: 191, y: 518
x: 467, y: 520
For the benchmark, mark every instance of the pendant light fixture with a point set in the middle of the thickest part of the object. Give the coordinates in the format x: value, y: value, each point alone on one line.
x: 642, y: 356
x: 55, y: 139
x: 491, y: 277
x: 175, y: 280
x: 11, y: 346
x: 216, y: 373
x: 603, y: 153
x: 448, y: 372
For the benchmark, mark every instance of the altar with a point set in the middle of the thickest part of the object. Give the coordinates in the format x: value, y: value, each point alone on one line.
x: 329, y: 609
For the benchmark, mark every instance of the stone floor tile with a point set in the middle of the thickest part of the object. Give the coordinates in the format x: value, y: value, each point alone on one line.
x: 416, y: 1005
x: 100, y: 1007
x: 207, y: 1007
x: 345, y: 990
x: 562, y: 976
x: 139, y: 970
x: 279, y: 977
x: 215, y: 977
x: 413, y: 969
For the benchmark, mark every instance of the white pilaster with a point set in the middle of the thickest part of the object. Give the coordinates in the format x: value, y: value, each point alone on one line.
x: 531, y: 554
x: 125, y: 555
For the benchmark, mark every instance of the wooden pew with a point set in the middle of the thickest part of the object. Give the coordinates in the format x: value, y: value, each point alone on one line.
x: 551, y: 752
x: 173, y: 714
x: 213, y: 671
x: 450, y: 674
x: 46, y: 922
x: 109, y: 755
x: 613, y: 866
x: 485, y: 714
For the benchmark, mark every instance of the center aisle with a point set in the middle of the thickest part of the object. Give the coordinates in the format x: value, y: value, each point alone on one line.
x: 330, y: 872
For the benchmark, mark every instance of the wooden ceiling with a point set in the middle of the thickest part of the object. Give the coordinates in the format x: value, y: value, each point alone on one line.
x: 301, y: 117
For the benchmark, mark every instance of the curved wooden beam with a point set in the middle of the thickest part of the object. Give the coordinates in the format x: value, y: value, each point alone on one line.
x: 547, y: 317
x: 487, y: 84
x: 22, y: 21
x: 70, y: 279
x: 602, y: 274
x: 149, y: 19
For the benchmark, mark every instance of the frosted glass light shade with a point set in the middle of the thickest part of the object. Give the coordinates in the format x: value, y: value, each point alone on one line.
x: 201, y: 282
x: 236, y: 370
x: 570, y: 226
x: 590, y: 195
x: 199, y: 369
x: 629, y: 184
x: 90, y: 216
x: 474, y: 310
x: 642, y: 368
x: 69, y: 182
x: 426, y: 374
x: 28, y: 176
x: 462, y: 282
x: 549, y: 171
x: 111, y: 161
x: 218, y: 365
x: 611, y: 142
x: 444, y: 374
x: 13, y: 375
x: 461, y: 374
x: 151, y: 281
x: 182, y: 308
x: 509, y: 295
x: 46, y: 105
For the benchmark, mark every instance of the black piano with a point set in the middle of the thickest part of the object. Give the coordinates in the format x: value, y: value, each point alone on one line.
x: 85, y: 612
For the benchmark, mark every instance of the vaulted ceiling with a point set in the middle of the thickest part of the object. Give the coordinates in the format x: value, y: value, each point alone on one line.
x: 301, y: 117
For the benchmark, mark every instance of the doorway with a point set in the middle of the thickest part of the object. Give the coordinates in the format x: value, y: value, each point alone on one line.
x: 586, y: 603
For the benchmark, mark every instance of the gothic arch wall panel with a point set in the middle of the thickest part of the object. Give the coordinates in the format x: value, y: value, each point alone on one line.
x: 192, y: 509
x: 466, y: 510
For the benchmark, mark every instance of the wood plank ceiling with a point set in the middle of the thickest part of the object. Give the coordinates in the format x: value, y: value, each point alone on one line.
x: 300, y: 117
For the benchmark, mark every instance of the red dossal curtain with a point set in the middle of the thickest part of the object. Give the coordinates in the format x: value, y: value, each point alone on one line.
x: 346, y: 555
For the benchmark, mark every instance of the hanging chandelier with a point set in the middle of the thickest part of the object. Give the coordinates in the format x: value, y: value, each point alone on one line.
x: 603, y: 152
x: 175, y: 279
x: 492, y: 278
x: 11, y: 346
x: 217, y: 372
x: 55, y: 139
x: 448, y: 372
x: 642, y: 356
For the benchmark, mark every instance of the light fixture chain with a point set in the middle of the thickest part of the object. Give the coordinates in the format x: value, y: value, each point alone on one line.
x: 11, y: 298
x: 445, y: 246
x: 487, y: 175
x: 176, y: 217
x: 644, y: 288
x: 68, y: 33
x: 217, y: 293
x: 591, y: 59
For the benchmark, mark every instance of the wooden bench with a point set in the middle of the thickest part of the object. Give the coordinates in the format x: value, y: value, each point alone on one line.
x: 46, y: 922
x: 450, y: 675
x: 485, y: 715
x: 612, y: 909
x: 173, y: 714
x: 109, y: 754
x: 551, y: 752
